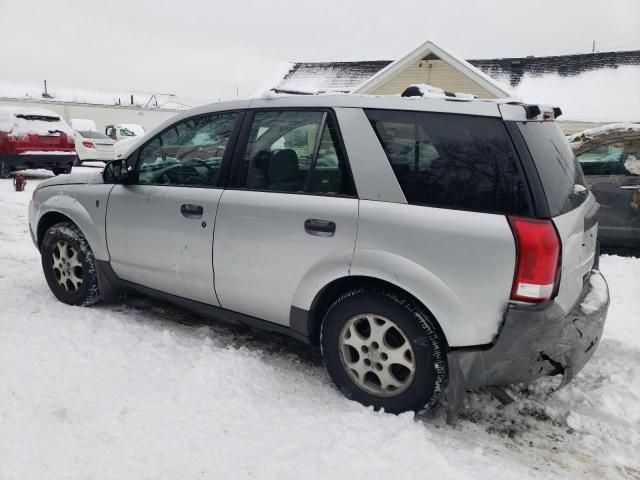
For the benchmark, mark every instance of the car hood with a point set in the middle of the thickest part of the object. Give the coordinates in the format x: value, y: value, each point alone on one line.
x: 80, y: 178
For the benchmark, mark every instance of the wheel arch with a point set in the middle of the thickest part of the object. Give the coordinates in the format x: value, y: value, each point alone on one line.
x: 309, y: 322
x: 62, y: 208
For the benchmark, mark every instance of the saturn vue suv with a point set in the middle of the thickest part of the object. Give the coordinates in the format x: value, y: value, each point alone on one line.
x: 426, y: 245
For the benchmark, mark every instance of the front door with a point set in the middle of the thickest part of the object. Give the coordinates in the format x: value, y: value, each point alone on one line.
x: 160, y: 226
x: 290, y: 212
x: 613, y: 171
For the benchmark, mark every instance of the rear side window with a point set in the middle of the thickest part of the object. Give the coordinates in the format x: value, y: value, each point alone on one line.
x: 556, y: 164
x: 452, y: 161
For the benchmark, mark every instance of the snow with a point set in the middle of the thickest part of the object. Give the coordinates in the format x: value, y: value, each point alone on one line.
x: 603, y: 95
x: 604, y: 130
x: 34, y: 91
x: 271, y: 81
x: 597, y: 297
x: 577, y: 188
x: 138, y: 389
x: 11, y: 122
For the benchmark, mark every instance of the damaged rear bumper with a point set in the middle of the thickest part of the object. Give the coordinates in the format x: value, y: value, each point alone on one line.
x: 535, y: 341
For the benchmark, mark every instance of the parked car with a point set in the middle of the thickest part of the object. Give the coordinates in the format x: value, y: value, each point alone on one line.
x: 471, y: 261
x: 94, y: 146
x: 123, y: 130
x: 34, y: 138
x: 610, y: 159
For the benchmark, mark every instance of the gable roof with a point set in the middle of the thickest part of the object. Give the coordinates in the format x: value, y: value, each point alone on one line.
x: 325, y: 77
x: 424, y: 50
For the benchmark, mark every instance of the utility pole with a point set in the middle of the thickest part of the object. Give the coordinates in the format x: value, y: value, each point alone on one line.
x: 593, y: 48
x: 237, y: 91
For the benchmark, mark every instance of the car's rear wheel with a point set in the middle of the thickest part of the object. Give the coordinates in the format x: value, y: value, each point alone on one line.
x: 383, y: 350
x: 69, y: 265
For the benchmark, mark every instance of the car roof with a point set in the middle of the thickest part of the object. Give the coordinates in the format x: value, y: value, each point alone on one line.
x: 430, y: 104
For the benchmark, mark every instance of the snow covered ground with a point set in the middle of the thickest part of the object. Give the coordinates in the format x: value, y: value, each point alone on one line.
x: 140, y: 390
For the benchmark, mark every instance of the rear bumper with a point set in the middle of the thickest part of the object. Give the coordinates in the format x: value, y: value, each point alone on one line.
x: 535, y: 341
x: 38, y: 160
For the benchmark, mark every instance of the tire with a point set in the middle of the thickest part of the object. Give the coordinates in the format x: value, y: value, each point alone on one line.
x: 57, y: 170
x: 418, y: 378
x: 69, y: 265
x: 4, y: 169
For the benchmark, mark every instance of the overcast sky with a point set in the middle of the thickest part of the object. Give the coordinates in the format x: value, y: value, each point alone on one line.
x: 203, y: 49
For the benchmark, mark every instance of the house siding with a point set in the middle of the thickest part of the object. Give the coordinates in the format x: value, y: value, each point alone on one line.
x: 434, y: 72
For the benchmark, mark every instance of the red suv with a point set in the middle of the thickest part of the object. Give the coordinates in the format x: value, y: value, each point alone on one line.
x: 34, y: 138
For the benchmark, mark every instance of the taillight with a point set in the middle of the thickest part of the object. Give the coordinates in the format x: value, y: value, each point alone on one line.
x: 88, y: 144
x: 537, y: 264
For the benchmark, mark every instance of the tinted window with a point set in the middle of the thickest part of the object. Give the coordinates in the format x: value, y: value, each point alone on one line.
x: 622, y: 158
x: 189, y: 153
x: 452, y: 161
x: 556, y: 164
x: 294, y: 151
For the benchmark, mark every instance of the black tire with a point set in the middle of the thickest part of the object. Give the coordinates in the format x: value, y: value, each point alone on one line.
x: 429, y: 380
x: 59, y: 170
x: 5, y: 170
x: 87, y: 292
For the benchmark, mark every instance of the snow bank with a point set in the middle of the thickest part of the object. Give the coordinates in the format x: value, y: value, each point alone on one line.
x: 141, y: 390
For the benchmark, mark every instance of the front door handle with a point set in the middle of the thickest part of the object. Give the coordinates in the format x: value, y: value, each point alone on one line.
x: 191, y: 211
x: 320, y: 228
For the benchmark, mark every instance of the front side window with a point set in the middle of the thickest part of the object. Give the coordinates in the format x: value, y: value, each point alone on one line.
x: 452, y: 161
x: 622, y: 158
x: 295, y: 152
x: 188, y: 154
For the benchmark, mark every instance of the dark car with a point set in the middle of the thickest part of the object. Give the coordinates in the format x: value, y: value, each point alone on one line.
x: 610, y: 160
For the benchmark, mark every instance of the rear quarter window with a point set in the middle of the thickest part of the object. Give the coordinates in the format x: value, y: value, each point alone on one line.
x: 452, y: 161
x: 556, y: 164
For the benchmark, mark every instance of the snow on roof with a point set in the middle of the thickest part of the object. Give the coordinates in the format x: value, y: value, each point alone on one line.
x: 19, y: 91
x: 598, y: 87
x: 309, y: 78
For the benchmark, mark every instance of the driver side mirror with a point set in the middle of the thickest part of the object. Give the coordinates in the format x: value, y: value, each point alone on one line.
x: 116, y: 171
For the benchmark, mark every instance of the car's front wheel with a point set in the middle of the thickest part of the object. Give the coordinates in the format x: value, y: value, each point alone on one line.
x: 69, y: 266
x: 382, y: 349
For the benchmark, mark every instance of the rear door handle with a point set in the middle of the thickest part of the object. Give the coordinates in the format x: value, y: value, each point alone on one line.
x: 191, y: 211
x: 319, y: 228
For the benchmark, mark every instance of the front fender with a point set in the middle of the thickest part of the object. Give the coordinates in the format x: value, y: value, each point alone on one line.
x: 84, y: 205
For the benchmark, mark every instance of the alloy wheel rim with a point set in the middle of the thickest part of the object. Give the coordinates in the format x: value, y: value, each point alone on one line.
x: 67, y: 268
x: 377, y: 355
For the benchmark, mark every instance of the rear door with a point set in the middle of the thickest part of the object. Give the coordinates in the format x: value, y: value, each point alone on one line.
x: 571, y: 206
x: 290, y: 210
x: 613, y: 171
x: 160, y: 226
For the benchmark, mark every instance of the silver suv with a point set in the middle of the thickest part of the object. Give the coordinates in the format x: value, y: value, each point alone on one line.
x: 426, y: 245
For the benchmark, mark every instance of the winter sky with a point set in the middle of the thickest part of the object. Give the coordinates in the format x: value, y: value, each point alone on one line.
x: 204, y: 50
